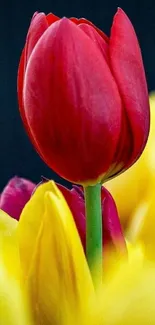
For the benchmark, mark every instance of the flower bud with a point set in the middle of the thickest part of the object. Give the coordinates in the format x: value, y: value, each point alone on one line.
x: 83, y: 97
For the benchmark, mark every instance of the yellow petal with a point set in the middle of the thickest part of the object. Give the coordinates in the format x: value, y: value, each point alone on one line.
x: 128, y: 296
x: 149, y: 151
x: 7, y: 224
x: 13, y: 306
x: 59, y: 280
x: 130, y: 188
x: 30, y: 223
x: 136, y: 254
x: 9, y: 245
x: 142, y: 227
x: 125, y: 190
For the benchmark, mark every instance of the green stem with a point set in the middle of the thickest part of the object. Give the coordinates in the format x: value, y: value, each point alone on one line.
x: 94, y: 230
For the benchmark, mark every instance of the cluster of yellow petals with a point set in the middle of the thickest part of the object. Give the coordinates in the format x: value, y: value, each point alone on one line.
x: 134, y: 194
x: 44, y: 276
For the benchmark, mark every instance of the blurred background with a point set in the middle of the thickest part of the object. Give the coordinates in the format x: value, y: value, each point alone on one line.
x: 17, y: 156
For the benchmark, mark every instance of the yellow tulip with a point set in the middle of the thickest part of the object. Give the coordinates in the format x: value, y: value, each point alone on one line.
x: 131, y: 188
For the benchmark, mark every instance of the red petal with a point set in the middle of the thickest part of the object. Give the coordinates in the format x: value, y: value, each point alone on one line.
x: 15, y: 195
x: 124, y: 148
x: 72, y: 103
x: 37, y: 28
x: 87, y: 22
x: 51, y: 18
x: 97, y: 39
x: 20, y: 82
x: 129, y: 74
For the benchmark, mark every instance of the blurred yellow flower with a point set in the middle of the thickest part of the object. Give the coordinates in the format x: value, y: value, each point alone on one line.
x: 134, y: 194
x: 133, y: 187
x: 127, y: 296
x: 42, y: 261
x: 54, y: 272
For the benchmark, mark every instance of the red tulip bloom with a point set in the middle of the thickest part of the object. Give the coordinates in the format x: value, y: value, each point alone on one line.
x: 83, y: 96
x: 18, y: 191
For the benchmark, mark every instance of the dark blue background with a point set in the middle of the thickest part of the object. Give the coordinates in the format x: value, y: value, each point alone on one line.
x: 17, y: 156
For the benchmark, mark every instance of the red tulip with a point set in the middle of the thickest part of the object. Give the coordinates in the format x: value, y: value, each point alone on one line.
x: 83, y: 96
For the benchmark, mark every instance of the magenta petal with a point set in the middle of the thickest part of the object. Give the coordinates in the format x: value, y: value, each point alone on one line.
x: 15, y: 195
x: 112, y: 231
x: 77, y: 207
